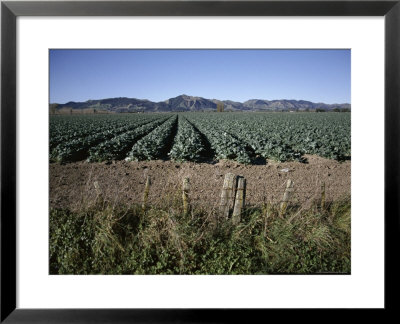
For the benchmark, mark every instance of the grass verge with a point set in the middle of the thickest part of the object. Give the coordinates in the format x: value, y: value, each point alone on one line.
x: 107, y: 239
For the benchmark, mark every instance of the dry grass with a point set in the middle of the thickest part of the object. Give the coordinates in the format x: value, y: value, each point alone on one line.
x: 107, y: 238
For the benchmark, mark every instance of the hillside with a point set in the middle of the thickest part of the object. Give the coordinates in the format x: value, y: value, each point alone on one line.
x: 191, y: 103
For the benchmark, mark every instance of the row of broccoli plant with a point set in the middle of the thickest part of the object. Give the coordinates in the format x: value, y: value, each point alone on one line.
x: 188, y: 145
x: 224, y: 144
x: 265, y: 142
x: 78, y: 149
x: 286, y: 137
x: 118, y: 147
x: 69, y: 131
x: 329, y: 143
x: 290, y: 141
x: 67, y: 128
x: 269, y: 145
x: 156, y: 144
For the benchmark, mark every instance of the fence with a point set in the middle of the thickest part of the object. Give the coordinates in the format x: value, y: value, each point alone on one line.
x: 233, y: 196
x: 224, y: 192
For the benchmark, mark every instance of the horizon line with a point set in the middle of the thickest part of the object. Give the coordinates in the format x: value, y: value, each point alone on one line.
x: 335, y: 103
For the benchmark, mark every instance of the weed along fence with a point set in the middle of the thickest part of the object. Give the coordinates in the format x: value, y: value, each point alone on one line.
x: 232, y: 199
x: 227, y: 195
x: 181, y: 236
x: 210, y: 188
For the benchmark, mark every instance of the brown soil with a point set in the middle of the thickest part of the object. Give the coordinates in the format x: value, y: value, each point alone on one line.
x: 72, y: 185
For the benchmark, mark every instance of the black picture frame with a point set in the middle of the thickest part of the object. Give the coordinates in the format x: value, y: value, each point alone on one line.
x: 10, y: 10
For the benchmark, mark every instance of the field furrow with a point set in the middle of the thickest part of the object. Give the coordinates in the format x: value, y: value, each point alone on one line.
x: 118, y: 147
x: 63, y: 130
x: 225, y: 145
x: 243, y: 137
x: 156, y: 144
x: 78, y: 149
x: 188, y: 144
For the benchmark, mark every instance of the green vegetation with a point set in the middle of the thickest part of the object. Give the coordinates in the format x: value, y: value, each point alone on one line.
x: 188, y: 145
x: 224, y: 144
x: 72, y: 137
x: 243, y: 137
x: 281, y: 136
x: 107, y: 239
x: 341, y: 110
x: 156, y: 144
x: 117, y: 147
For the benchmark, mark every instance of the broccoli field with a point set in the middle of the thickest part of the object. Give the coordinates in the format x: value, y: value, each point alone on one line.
x: 198, y: 137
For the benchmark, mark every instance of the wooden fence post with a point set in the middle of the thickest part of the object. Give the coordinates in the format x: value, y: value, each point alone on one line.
x: 286, y: 196
x: 146, y: 193
x: 227, y: 194
x: 99, y: 195
x: 239, y: 200
x: 185, y: 195
x: 323, y: 196
x: 97, y: 188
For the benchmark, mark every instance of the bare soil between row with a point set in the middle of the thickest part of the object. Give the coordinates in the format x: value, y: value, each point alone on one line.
x: 73, y: 185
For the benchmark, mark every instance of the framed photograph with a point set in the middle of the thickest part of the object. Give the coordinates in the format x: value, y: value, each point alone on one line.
x: 162, y: 159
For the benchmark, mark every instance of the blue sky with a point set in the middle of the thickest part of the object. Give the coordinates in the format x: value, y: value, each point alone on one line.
x: 239, y: 75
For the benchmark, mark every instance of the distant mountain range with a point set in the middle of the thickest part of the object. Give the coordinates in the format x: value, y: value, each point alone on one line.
x: 190, y: 103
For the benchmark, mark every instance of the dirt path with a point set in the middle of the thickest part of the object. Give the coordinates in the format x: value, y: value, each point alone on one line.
x: 123, y: 182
